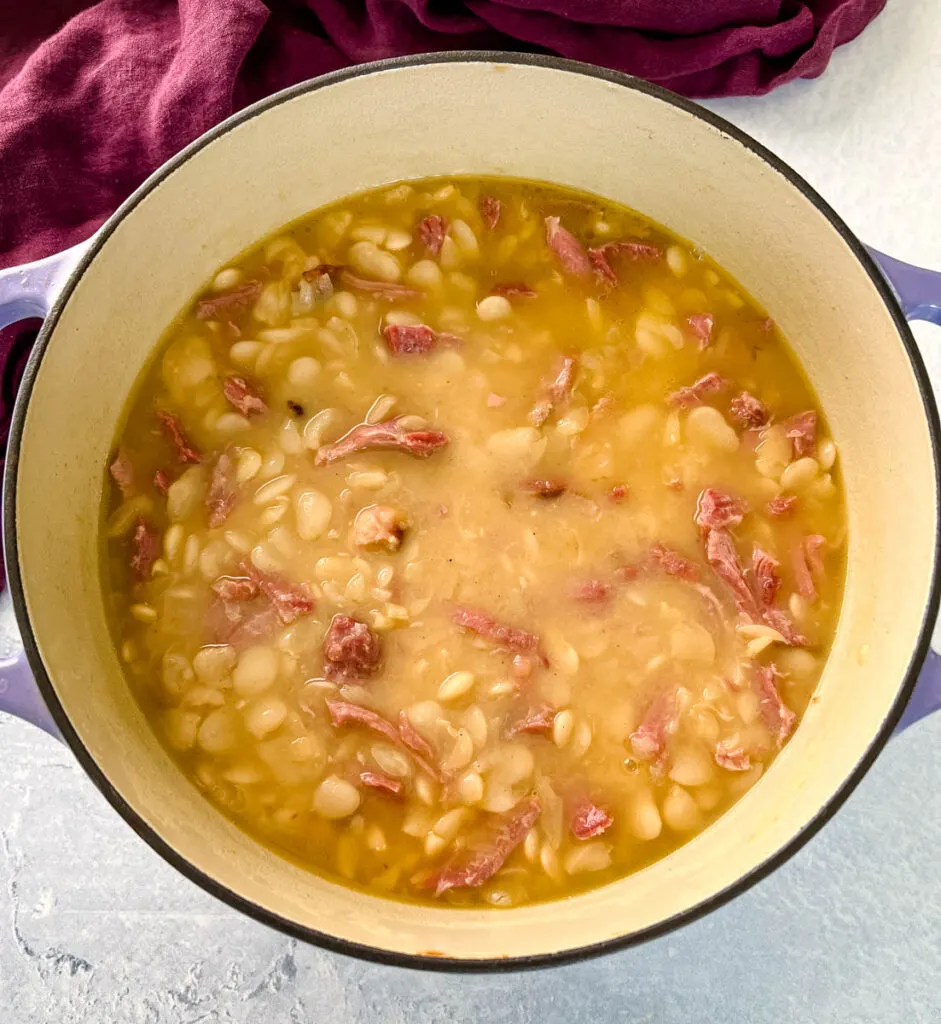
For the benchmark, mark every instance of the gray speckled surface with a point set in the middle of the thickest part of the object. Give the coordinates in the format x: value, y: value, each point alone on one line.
x: 94, y: 927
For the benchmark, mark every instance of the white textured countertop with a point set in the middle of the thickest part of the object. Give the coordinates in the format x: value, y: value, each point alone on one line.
x: 94, y: 927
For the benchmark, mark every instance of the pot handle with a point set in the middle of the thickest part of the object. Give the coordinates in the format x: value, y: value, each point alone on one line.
x: 29, y: 291
x: 919, y: 293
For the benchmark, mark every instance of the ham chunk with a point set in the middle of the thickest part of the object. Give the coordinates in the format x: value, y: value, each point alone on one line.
x: 230, y: 303
x: 748, y: 412
x: 122, y: 472
x: 534, y: 720
x: 601, y: 256
x: 716, y: 510
x: 732, y: 758
x: 290, y: 600
x: 568, y: 249
x: 486, y: 853
x: 384, y: 783
x: 244, y: 397
x: 145, y: 545
x: 649, y: 738
x: 781, y: 506
x: 344, y: 712
x: 387, y: 434
x: 776, y: 715
x: 700, y: 327
x: 162, y: 481
x: 558, y: 390
x: 514, y: 290
x: 236, y: 588
x: 767, y: 580
x: 409, y: 340
x: 781, y: 621
x: 510, y: 638
x: 544, y: 488
x: 232, y: 620
x: 722, y: 556
x: 223, y: 492
x: 185, y: 452
x: 490, y: 210
x: 803, y: 580
x: 592, y: 591
x: 389, y: 290
x: 674, y: 564
x: 589, y: 820
x: 378, y: 527
x: 431, y: 232
x: 698, y: 391
x: 802, y: 430
x: 417, y: 745
x: 351, y: 649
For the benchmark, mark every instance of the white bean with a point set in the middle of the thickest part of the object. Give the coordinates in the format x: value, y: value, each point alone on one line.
x: 335, y: 798
x: 372, y: 262
x: 563, y: 726
x: 313, y: 512
x: 494, y: 307
x: 707, y: 426
x: 691, y: 767
x: 213, y: 664
x: 265, y: 715
x: 680, y: 811
x: 256, y: 670
x: 643, y: 816
x: 273, y: 489
x: 218, y: 732
x: 800, y: 474
x: 594, y: 856
x: 456, y: 685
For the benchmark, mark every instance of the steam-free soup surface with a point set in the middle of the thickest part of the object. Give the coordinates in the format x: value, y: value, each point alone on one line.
x: 474, y: 542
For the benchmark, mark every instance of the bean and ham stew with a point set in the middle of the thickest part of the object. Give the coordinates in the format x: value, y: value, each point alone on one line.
x: 474, y: 542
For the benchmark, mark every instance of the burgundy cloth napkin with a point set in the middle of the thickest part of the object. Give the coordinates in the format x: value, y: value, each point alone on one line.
x: 94, y: 98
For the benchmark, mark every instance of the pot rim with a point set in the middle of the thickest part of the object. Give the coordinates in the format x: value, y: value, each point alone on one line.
x: 312, y: 935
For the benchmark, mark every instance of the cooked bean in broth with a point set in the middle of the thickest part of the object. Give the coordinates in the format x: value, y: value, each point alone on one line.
x: 474, y: 541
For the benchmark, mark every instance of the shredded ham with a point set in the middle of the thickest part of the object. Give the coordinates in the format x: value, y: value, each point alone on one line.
x: 630, y: 250
x: 648, y: 739
x: 781, y: 506
x: 236, y: 588
x: 722, y: 556
x: 589, y: 820
x: 802, y: 577
x: 767, y: 580
x: 674, y: 564
x: 223, y: 492
x: 351, y: 650
x: 732, y: 758
x: 569, y: 250
x: 718, y: 510
x: 431, y: 232
x: 387, y: 434
x: 490, y: 210
x: 290, y: 600
x: 776, y: 715
x: 698, y: 391
x: 185, y: 452
x: 145, y: 547
x: 486, y: 853
x: 592, y: 591
x: 533, y: 720
x: 384, y: 783
x: 378, y: 526
x: 700, y: 326
x: 514, y: 290
x: 747, y: 411
x: 162, y: 481
x: 544, y: 488
x: 802, y: 430
x: 392, y: 291
x: 244, y: 396
x: 411, y: 339
x: 510, y: 638
x: 122, y: 472
x: 558, y: 390
x: 229, y: 303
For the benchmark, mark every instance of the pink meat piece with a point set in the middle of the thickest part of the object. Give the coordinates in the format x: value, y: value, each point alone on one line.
x: 569, y: 250
x: 162, y: 481
x: 146, y: 546
x: 533, y: 720
x: 240, y: 623
x: 802, y: 430
x: 722, y: 556
x: 290, y: 600
x: 490, y: 210
x: 718, y: 510
x: 600, y: 256
x: 781, y: 621
x: 618, y: 493
x: 540, y: 412
x: 700, y: 326
x: 244, y: 396
x: 351, y: 649
x: 673, y: 563
x: 648, y: 739
x: 378, y: 526
x: 229, y: 303
x: 732, y: 759
x: 321, y: 280
x: 747, y: 411
x: 508, y: 637
x: 392, y: 291
x: 544, y: 488
x: 122, y: 472
x: 803, y: 579
x: 409, y: 340
x: 767, y: 580
x: 236, y: 588
x: 563, y: 384
x: 592, y: 591
x: 815, y: 547
x: 223, y: 490
x: 776, y: 715
x: 589, y: 820
x: 599, y: 261
x: 495, y: 401
x: 514, y: 290
x: 343, y: 712
x: 387, y: 434
x: 385, y: 783
x: 431, y: 232
x: 697, y: 392
x: 413, y: 739
x: 781, y: 506
x: 484, y: 855
x: 185, y: 452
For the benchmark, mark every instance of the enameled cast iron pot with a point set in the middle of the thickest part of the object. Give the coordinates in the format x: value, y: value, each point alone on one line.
x: 107, y: 302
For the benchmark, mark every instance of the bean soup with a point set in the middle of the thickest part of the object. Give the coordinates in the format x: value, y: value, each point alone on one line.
x: 474, y: 542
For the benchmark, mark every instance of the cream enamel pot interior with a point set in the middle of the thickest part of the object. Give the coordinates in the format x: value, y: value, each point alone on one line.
x: 536, y: 118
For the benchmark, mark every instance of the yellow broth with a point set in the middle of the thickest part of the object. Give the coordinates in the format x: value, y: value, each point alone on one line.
x: 563, y: 506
